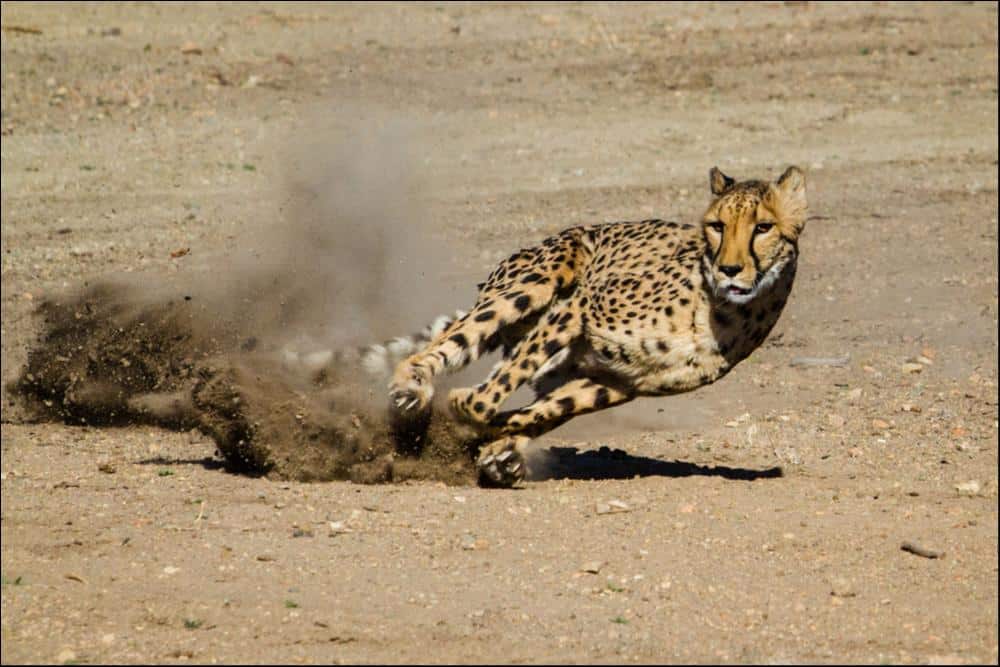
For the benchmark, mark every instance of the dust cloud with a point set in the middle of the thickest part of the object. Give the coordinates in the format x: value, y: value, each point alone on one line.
x: 253, y: 346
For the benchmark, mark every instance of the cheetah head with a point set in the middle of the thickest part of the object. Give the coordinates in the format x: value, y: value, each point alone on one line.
x: 751, y: 232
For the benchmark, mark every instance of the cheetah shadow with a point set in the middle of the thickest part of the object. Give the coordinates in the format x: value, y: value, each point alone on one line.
x: 607, y: 463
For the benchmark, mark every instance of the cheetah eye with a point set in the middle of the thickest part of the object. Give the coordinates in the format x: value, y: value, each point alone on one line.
x: 763, y: 227
x: 717, y: 227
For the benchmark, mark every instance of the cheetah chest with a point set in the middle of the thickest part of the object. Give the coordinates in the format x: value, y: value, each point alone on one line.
x: 680, y: 342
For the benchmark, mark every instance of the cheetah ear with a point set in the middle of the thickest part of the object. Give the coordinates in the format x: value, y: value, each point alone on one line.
x: 719, y: 181
x: 788, y: 197
x: 792, y: 183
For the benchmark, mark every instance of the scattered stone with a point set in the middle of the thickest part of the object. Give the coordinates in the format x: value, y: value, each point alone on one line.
x: 612, y: 507
x: 170, y: 569
x: 835, y: 421
x: 912, y: 367
x: 472, y: 543
x: 970, y: 488
x: 66, y: 655
x: 820, y: 361
x: 910, y: 407
x: 880, y: 425
x: 592, y: 567
x: 338, y: 528
x: 109, y: 468
x: 918, y: 550
x: 842, y: 588
x: 190, y: 49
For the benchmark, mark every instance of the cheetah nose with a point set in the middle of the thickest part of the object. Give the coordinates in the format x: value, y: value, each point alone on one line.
x: 730, y: 269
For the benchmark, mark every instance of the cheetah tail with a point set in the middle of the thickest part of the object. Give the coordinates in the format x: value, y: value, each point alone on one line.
x: 379, y: 360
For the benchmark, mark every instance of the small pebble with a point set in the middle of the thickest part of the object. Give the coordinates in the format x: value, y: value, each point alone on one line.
x: 612, y: 507
x: 842, y: 588
x: 970, y: 488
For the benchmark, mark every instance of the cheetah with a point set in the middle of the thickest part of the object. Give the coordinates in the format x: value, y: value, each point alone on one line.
x: 598, y: 315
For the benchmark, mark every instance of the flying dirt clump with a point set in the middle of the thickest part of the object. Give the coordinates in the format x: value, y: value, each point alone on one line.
x: 107, y: 358
x: 223, y: 355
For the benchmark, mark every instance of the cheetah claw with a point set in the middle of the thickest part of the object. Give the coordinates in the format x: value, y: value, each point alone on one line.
x: 404, y: 400
x: 500, y: 464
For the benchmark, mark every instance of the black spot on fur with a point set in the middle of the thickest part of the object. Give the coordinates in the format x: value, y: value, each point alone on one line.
x: 603, y: 398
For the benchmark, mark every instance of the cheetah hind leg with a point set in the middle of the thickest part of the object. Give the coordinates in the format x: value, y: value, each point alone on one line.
x: 502, y: 462
x: 546, y: 348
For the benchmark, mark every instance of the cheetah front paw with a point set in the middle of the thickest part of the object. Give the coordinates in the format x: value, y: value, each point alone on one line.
x: 501, y: 462
x: 410, y: 390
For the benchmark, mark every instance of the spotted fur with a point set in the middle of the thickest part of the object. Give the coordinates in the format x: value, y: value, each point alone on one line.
x: 597, y: 315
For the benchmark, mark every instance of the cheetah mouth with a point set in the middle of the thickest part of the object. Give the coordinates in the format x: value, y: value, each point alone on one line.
x: 734, y: 290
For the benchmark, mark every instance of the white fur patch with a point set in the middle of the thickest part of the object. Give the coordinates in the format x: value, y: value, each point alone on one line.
x: 401, y: 347
x: 762, y: 285
x: 551, y: 363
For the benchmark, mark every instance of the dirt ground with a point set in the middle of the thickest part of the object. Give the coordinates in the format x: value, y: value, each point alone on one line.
x: 760, y: 519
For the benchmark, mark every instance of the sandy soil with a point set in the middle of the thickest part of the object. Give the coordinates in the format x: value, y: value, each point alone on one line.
x: 133, y: 133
